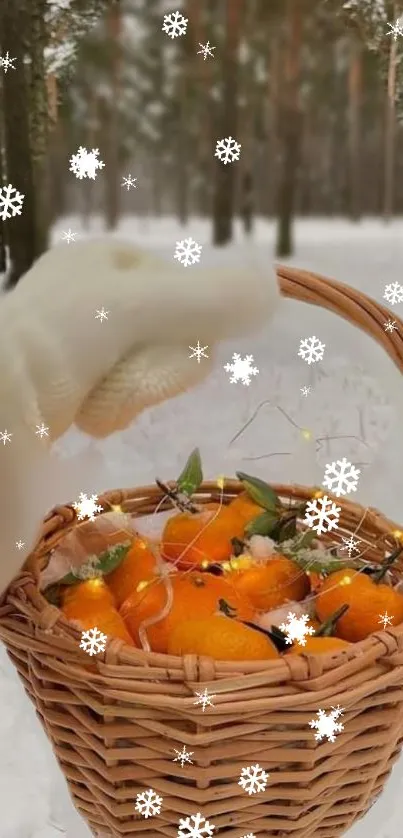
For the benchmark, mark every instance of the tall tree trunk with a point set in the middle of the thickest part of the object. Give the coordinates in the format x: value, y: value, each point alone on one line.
x: 224, y: 185
x: 39, y: 122
x: 20, y: 229
x: 88, y: 184
x: 273, y: 74
x: 111, y: 124
x: 206, y: 109
x: 289, y: 129
x: 390, y: 129
x: 3, y: 251
x: 187, y: 95
x: 247, y: 122
x: 354, y: 126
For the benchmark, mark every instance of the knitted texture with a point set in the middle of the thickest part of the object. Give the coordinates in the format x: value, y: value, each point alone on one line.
x: 60, y: 365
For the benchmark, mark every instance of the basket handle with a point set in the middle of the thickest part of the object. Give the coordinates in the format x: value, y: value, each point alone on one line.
x: 349, y: 303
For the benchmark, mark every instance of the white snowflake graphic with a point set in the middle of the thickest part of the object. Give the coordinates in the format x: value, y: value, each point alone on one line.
x: 87, y: 507
x: 385, y: 619
x: 205, y: 699
x: 41, y: 430
x: 20, y: 544
x: 351, y: 545
x: 69, y: 236
x: 393, y: 293
x: 341, y: 477
x: 148, y: 803
x: 85, y: 163
x: 175, y: 24
x: 311, y: 349
x: 10, y: 203
x: 129, y: 182
x: 198, y: 352
x: 253, y: 779
x: 187, y: 252
x: 5, y: 437
x: 297, y: 629
x: 241, y: 369
x: 93, y: 641
x: 305, y: 391
x: 183, y: 756
x: 327, y: 726
x: 322, y: 515
x: 195, y: 826
x: 7, y: 62
x: 101, y: 314
x: 227, y: 150
x: 390, y: 326
x: 395, y: 29
x: 206, y: 50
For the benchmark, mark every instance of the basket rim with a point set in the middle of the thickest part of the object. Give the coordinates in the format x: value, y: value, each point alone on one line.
x: 48, y: 625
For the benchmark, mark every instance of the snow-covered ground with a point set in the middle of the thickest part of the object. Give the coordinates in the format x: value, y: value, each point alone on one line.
x: 355, y: 401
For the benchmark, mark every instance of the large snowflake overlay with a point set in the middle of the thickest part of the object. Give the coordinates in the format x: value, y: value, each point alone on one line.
x: 350, y: 544
x: 85, y: 163
x: 93, y: 641
x: 394, y: 293
x: 297, y: 629
x: 198, y: 352
x: 241, y: 369
x: 341, y: 477
x: 205, y: 699
x: 395, y: 29
x: 322, y: 515
x: 174, y: 24
x: 227, y: 150
x: 188, y: 252
x: 311, y: 349
x: 253, y: 779
x: 385, y: 619
x: 326, y: 726
x: 183, y: 756
x: 148, y: 803
x: 11, y: 202
x: 195, y: 826
x: 206, y: 50
x: 7, y: 62
x: 87, y: 507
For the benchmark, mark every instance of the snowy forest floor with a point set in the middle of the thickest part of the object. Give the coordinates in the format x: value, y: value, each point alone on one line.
x: 356, y: 400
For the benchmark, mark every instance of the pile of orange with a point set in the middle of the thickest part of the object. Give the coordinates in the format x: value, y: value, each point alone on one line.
x: 168, y: 598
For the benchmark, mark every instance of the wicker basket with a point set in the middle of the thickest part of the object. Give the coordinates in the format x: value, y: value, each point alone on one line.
x: 114, y: 720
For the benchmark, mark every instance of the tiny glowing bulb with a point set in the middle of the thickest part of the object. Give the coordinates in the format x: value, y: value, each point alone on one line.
x: 306, y: 434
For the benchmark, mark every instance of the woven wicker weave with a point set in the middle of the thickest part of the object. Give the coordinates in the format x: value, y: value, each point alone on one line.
x: 115, y: 720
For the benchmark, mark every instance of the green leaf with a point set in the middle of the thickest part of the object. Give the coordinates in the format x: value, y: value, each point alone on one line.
x: 264, y: 524
x: 100, y: 565
x: 191, y: 477
x: 287, y: 529
x: 259, y: 491
x: 305, y: 539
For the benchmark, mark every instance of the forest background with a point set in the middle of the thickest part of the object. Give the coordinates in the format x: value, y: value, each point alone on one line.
x: 311, y: 89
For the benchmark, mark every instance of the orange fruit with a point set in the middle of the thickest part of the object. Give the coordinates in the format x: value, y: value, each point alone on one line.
x: 195, y: 595
x: 270, y: 585
x: 86, y: 596
x: 245, y: 508
x: 318, y: 646
x: 221, y: 638
x: 92, y: 605
x: 195, y: 540
x: 139, y: 564
x: 367, y: 601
